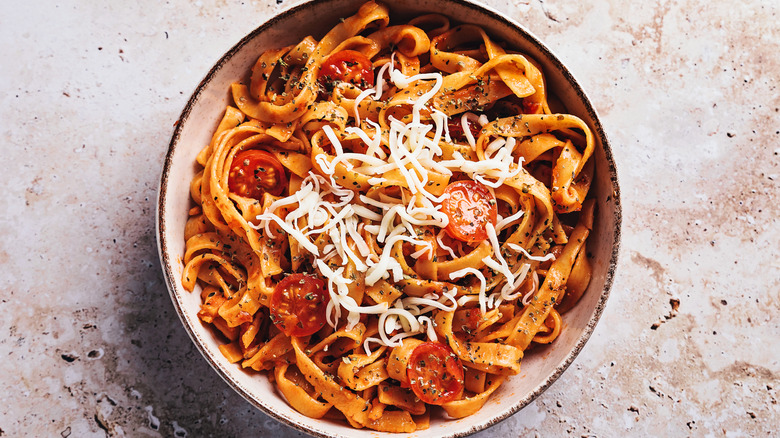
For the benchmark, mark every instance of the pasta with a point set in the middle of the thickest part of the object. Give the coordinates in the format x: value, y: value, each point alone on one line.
x: 388, y: 218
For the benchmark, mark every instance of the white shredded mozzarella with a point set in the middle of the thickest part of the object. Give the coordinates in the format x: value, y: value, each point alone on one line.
x: 371, y: 339
x: 292, y: 231
x: 501, y: 266
x: 424, y: 320
x: 482, y: 284
x: 507, y: 292
x: 410, y: 149
x: 526, y: 254
x: 527, y: 298
x: 501, y: 224
x: 464, y: 123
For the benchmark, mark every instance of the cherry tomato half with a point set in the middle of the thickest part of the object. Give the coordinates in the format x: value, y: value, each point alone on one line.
x: 470, y: 206
x: 298, y: 304
x: 347, y: 66
x: 435, y: 373
x: 254, y: 172
x: 455, y: 128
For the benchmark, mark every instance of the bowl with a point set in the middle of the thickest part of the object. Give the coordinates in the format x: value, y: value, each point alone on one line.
x: 202, y: 113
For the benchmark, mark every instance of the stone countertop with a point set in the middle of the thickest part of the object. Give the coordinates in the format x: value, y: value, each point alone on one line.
x: 688, y: 344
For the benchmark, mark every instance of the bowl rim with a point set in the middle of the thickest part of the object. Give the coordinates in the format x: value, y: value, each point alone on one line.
x: 497, y: 17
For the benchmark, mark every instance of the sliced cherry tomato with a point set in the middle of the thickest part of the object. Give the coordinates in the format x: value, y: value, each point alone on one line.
x: 298, y: 304
x: 347, y: 66
x: 469, y: 206
x: 254, y: 172
x: 435, y: 373
x: 455, y: 128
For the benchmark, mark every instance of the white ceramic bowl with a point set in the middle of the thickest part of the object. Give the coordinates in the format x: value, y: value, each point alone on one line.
x: 199, y: 119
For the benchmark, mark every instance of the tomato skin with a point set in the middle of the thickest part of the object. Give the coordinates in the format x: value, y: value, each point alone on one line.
x: 435, y: 373
x: 254, y: 172
x: 455, y: 128
x: 298, y: 304
x: 469, y: 206
x: 346, y: 66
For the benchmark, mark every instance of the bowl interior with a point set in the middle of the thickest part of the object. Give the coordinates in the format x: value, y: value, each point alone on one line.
x: 201, y: 116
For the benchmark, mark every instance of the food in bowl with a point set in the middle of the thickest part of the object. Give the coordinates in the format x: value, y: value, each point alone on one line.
x: 388, y: 218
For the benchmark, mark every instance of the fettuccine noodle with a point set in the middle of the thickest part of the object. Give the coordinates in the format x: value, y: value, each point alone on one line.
x: 389, y: 218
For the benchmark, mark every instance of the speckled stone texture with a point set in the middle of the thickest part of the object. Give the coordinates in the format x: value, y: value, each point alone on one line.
x: 688, y: 344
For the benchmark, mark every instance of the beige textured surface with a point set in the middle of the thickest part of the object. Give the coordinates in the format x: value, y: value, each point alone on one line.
x: 688, y: 92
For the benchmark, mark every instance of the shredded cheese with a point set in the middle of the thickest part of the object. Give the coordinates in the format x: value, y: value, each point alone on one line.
x: 410, y: 150
x: 526, y: 254
x: 482, y: 284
